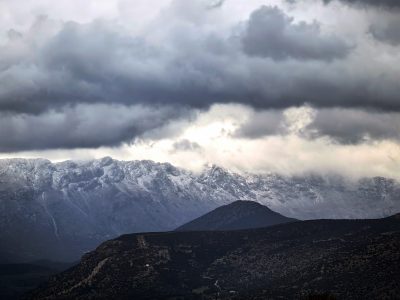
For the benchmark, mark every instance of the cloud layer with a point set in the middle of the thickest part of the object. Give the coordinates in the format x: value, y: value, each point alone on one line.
x: 81, y: 126
x: 124, y: 74
x: 343, y: 126
x: 57, y: 64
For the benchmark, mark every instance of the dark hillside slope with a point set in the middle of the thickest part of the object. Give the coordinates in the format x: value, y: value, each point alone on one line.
x: 351, y: 259
x: 237, y: 215
x: 17, y: 279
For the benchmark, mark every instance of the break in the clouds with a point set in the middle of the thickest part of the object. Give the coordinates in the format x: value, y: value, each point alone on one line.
x: 124, y: 72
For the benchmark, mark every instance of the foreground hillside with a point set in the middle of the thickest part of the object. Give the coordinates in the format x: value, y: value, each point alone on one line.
x: 348, y: 259
x: 58, y: 211
x: 237, y: 215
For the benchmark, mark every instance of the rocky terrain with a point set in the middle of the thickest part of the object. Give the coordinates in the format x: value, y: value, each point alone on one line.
x: 58, y: 211
x: 236, y: 215
x: 348, y: 259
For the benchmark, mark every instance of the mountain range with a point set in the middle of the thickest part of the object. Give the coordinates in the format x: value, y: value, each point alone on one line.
x: 58, y: 211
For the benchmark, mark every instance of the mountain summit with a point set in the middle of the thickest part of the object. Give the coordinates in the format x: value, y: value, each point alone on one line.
x: 237, y: 215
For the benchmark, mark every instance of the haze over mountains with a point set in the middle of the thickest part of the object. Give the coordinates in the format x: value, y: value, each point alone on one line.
x: 60, y: 210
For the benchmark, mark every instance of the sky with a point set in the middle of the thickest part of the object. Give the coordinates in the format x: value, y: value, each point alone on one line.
x: 287, y: 86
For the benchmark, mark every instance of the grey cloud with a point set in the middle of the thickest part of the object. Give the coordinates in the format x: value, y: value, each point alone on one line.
x: 100, y: 63
x: 54, y: 68
x: 356, y: 126
x: 186, y: 145
x: 387, y: 32
x: 377, y: 3
x: 13, y: 34
x: 262, y: 124
x: 345, y: 126
x: 95, y: 63
x: 215, y: 4
x: 363, y: 3
x: 83, y: 126
x: 271, y: 33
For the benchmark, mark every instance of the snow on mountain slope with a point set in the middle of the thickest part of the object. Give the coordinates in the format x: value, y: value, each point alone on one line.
x: 60, y: 210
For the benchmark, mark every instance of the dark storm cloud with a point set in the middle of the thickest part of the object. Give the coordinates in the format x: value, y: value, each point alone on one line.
x: 83, y: 126
x: 98, y: 63
x: 271, y: 33
x: 95, y: 63
x: 51, y: 70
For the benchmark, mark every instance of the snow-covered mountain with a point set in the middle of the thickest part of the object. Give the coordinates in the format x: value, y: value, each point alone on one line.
x: 60, y: 210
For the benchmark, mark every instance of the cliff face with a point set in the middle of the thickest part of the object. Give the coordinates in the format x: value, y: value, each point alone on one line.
x: 349, y: 259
